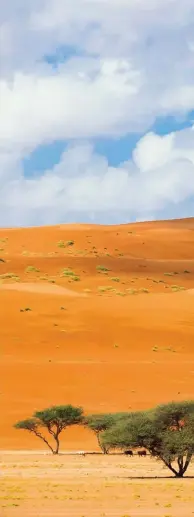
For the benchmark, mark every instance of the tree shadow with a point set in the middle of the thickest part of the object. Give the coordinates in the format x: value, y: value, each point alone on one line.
x: 155, y: 477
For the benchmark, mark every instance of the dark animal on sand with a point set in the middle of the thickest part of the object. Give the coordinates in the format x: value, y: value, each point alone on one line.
x: 142, y: 453
x: 128, y: 453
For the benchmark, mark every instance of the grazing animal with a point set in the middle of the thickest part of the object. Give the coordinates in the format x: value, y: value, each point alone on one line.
x: 128, y: 453
x: 81, y: 453
x: 142, y: 453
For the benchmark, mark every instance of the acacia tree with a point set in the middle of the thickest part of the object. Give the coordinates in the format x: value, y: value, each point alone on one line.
x: 166, y: 432
x: 54, y: 419
x: 175, y: 423
x: 100, y: 423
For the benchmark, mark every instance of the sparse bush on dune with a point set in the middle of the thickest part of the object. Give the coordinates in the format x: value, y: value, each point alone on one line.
x: 132, y: 291
x: 102, y: 269
x: 32, y: 269
x: 176, y: 288
x: 7, y: 276
x: 105, y: 288
x: 67, y: 272
x: 62, y: 244
x: 172, y: 273
x: 69, y: 243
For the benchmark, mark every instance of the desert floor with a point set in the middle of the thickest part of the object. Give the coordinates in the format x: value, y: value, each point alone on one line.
x: 113, y: 338
x: 91, y: 486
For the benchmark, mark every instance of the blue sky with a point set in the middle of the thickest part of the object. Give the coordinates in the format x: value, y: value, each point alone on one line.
x: 116, y: 150
x: 96, y: 124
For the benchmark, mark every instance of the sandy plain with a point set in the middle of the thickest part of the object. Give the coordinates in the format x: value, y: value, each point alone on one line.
x: 91, y: 486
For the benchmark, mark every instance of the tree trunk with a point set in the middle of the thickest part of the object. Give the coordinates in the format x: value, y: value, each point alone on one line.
x: 98, y: 438
x: 57, y: 444
x: 187, y: 462
x: 103, y: 449
x: 44, y: 440
x: 171, y: 468
x: 182, y: 467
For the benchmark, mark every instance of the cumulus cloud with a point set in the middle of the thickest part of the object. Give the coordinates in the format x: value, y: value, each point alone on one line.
x: 84, y: 187
x: 138, y: 64
x: 70, y: 104
x: 133, y: 62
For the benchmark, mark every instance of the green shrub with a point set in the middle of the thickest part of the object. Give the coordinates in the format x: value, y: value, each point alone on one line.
x: 105, y: 288
x: 61, y: 244
x: 32, y: 269
x: 102, y: 269
x: 7, y: 276
x: 132, y: 291
x: 69, y: 243
x: 176, y: 288
x: 75, y: 278
x: 67, y: 272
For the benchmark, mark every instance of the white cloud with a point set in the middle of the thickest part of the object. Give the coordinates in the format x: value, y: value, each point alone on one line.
x: 70, y: 104
x: 142, y: 68
x: 135, y: 64
x: 84, y: 187
x: 153, y: 151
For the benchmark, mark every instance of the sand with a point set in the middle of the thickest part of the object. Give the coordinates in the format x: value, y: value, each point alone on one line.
x: 113, y: 339
x: 53, y: 290
x: 92, y: 486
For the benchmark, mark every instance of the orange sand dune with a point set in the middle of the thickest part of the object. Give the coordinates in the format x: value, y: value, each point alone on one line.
x: 126, y: 342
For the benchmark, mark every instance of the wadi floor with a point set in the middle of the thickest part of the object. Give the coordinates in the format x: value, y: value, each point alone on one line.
x: 91, y: 486
x: 113, y: 338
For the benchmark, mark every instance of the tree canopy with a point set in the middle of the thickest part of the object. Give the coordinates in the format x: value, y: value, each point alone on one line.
x: 102, y: 422
x: 166, y: 432
x: 55, y: 419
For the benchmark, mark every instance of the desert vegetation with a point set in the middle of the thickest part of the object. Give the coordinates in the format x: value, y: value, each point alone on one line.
x: 67, y: 272
x: 119, y: 339
x: 166, y: 432
x: 54, y: 420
